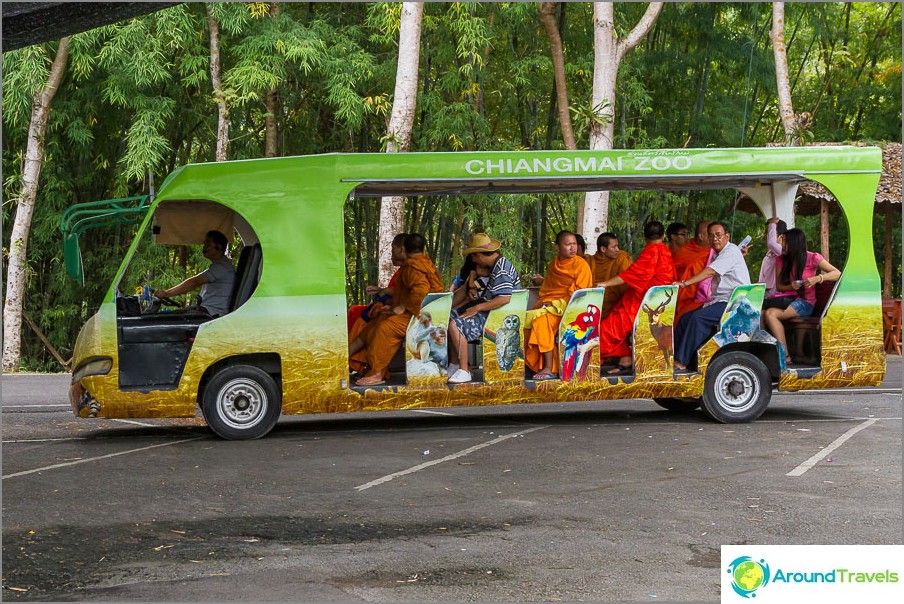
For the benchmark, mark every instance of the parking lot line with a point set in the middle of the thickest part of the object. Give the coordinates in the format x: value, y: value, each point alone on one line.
x: 802, y: 468
x: 98, y: 458
x: 461, y: 453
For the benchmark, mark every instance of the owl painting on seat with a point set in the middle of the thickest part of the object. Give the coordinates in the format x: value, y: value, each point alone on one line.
x: 508, y: 342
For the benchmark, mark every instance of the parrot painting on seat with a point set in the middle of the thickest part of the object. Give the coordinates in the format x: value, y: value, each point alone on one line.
x: 579, y: 332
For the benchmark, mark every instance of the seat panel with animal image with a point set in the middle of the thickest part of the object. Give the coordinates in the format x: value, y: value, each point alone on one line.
x: 653, y: 332
x: 579, y: 336
x: 503, y: 341
x: 426, y: 343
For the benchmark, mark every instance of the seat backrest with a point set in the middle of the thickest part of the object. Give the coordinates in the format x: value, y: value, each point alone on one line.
x: 247, y: 275
x: 823, y: 295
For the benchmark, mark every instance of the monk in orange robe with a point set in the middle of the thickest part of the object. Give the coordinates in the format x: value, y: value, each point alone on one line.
x: 566, y: 274
x: 607, y: 262
x: 653, y: 267
x: 380, y: 296
x: 690, y: 259
x: 384, y: 334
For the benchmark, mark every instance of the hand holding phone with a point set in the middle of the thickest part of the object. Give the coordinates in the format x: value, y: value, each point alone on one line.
x: 745, y: 241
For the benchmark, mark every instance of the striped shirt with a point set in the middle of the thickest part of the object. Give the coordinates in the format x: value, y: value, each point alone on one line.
x: 502, y: 281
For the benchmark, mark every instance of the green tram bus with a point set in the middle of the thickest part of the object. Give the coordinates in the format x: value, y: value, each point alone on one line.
x: 282, y: 348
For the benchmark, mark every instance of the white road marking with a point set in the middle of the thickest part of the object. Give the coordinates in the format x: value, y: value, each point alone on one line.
x: 72, y: 463
x: 431, y: 412
x: 461, y: 453
x: 839, y: 391
x: 36, y: 405
x: 802, y: 468
x: 45, y: 440
x: 131, y: 421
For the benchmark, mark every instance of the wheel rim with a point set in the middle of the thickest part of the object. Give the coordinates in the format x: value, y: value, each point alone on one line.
x: 737, y: 388
x: 241, y: 403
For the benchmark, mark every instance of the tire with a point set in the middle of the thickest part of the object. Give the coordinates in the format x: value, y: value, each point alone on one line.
x: 737, y: 389
x: 241, y: 402
x: 679, y: 405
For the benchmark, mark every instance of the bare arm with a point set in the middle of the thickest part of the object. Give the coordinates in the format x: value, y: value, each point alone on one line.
x: 701, y: 276
x: 184, y: 287
x: 496, y: 302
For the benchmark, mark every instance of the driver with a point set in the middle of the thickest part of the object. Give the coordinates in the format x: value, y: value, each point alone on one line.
x: 215, y: 283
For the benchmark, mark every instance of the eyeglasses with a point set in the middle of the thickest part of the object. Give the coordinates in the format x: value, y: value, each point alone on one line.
x: 717, y: 235
x: 683, y: 234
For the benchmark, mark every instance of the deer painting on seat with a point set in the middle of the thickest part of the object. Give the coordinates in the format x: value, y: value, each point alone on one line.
x: 661, y: 332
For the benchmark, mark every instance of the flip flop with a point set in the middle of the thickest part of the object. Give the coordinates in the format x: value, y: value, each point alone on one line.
x: 370, y: 381
x: 621, y: 370
x: 543, y: 376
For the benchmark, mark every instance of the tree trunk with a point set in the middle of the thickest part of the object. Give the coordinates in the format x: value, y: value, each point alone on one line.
x: 219, y: 95
x: 270, y: 124
x: 401, y: 121
x: 548, y: 17
x: 18, y: 242
x: 785, y: 107
x: 608, y: 51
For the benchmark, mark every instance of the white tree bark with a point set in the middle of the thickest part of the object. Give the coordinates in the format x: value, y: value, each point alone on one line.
x: 401, y: 122
x: 18, y: 243
x: 608, y: 51
x: 782, y: 80
x: 222, y: 107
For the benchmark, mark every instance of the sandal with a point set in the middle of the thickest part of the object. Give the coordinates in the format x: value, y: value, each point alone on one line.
x: 543, y: 376
x: 374, y: 380
x: 621, y: 370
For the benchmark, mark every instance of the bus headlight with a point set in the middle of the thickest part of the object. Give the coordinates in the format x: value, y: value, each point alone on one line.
x: 95, y: 366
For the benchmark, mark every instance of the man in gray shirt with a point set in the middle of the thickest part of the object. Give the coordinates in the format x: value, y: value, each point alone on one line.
x: 215, y: 283
x: 728, y: 270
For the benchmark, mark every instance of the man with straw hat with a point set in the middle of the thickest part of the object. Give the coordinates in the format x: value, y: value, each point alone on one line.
x: 470, y: 315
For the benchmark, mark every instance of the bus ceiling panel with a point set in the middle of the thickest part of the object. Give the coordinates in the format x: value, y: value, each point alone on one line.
x: 440, y: 187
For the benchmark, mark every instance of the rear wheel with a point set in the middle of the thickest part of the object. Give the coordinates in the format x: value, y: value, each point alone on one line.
x: 679, y: 405
x: 241, y: 402
x: 737, y: 389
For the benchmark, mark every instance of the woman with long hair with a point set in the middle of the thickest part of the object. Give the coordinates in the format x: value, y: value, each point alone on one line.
x: 797, y: 271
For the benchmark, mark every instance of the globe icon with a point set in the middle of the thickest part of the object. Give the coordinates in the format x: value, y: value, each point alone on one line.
x: 748, y: 575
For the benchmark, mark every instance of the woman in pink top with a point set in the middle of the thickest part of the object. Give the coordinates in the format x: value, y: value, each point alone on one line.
x: 797, y: 270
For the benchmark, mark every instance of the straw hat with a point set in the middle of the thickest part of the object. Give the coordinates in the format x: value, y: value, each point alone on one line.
x: 481, y: 242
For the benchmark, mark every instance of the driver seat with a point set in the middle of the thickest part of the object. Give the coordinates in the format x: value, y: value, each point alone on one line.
x: 247, y: 275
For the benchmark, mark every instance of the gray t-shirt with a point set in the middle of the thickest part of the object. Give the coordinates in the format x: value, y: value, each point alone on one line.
x: 731, y: 271
x: 216, y: 292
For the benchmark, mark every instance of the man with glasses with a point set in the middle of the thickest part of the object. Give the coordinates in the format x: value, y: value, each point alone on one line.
x: 690, y: 259
x: 727, y: 270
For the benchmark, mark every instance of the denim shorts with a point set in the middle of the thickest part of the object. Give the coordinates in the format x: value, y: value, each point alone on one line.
x: 802, y: 307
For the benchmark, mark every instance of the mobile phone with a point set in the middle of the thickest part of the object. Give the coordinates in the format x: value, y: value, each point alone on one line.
x: 744, y: 241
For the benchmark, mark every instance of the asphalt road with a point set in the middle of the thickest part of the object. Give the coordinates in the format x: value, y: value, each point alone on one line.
x: 599, y: 501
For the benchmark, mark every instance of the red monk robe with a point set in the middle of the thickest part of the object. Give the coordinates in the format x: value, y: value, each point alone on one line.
x: 689, y: 259
x: 653, y: 267
x: 385, y: 333
x: 563, y: 278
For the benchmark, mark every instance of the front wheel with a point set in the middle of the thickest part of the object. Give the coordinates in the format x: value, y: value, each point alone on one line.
x: 241, y: 402
x: 737, y: 389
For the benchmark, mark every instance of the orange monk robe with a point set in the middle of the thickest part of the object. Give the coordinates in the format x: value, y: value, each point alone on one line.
x: 354, y: 312
x: 384, y: 334
x: 604, y: 268
x: 653, y: 267
x: 689, y: 259
x: 563, y: 278
x: 358, y: 361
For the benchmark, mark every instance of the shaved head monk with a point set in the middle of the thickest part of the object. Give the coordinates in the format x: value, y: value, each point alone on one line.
x: 385, y: 333
x: 607, y: 262
x: 690, y: 259
x: 566, y: 274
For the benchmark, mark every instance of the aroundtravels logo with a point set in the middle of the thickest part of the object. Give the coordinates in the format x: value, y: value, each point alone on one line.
x: 748, y: 575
